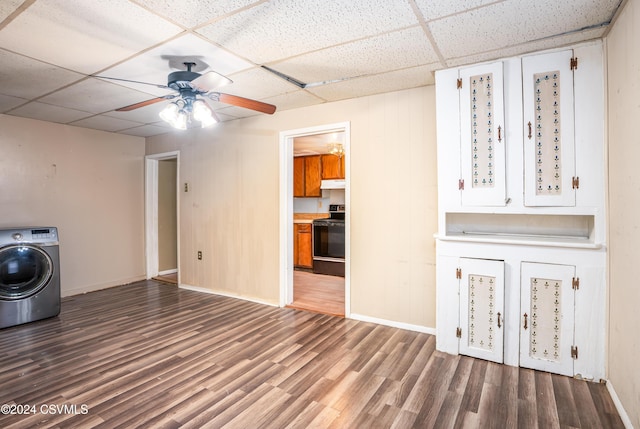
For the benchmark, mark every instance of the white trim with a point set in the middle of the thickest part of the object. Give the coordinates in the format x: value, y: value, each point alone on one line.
x: 166, y: 272
x: 286, y: 209
x: 151, y: 212
x: 616, y: 401
x: 394, y: 324
x: 228, y: 295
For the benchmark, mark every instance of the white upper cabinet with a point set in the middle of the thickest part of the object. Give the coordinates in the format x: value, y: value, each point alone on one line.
x: 482, y: 146
x: 549, y: 143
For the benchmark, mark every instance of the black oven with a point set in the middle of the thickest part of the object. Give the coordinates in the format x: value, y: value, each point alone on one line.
x: 328, y: 243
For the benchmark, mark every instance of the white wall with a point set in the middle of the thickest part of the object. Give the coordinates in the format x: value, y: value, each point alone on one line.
x: 89, y: 184
x: 232, y: 210
x: 623, y: 68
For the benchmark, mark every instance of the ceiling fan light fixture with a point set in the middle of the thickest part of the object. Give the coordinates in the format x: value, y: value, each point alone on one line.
x: 202, y: 113
x: 170, y: 113
x: 181, y: 120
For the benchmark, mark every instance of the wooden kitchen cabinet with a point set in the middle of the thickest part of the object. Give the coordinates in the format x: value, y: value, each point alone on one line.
x: 302, y: 245
x: 307, y: 174
x: 298, y: 176
x: 332, y: 167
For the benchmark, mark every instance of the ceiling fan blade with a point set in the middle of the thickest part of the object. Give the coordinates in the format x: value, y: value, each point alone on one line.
x: 247, y: 103
x: 209, y: 81
x: 144, y: 103
x: 132, y: 81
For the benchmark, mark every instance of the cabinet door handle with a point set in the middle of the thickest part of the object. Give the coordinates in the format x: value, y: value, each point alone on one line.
x: 499, y: 323
x: 529, y: 124
x: 525, y: 321
x: 499, y: 140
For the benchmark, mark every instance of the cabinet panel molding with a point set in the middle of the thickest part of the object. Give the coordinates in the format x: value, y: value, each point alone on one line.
x: 482, y: 142
x: 482, y: 309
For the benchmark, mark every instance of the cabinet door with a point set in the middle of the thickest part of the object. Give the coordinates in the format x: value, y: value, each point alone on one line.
x: 332, y: 167
x: 304, y: 245
x: 547, y: 317
x: 549, y: 147
x: 482, y: 309
x: 482, y: 136
x: 298, y: 176
x: 312, y: 176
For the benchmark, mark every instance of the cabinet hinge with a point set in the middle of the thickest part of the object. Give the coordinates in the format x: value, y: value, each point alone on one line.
x: 573, y: 64
x: 459, y: 83
x: 458, y: 332
x: 574, y: 352
x: 575, y: 182
x: 575, y: 283
x: 458, y: 273
x: 461, y: 184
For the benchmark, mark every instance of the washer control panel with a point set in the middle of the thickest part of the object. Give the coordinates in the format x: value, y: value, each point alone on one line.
x: 46, y: 235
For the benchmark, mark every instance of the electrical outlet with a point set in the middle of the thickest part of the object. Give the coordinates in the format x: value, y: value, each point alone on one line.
x: 199, y: 255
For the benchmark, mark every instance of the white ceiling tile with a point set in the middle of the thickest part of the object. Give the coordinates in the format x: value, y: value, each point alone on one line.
x: 48, y: 112
x: 85, y: 36
x: 96, y: 96
x: 437, y: 9
x: 105, y: 123
x: 7, y: 7
x: 8, y: 102
x: 391, y: 51
x: 539, y: 45
x: 155, y: 65
x: 24, y: 77
x: 502, y: 25
x: 293, y: 100
x: 191, y: 13
x: 392, y: 81
x: 146, y: 131
x: 257, y: 83
x: 282, y: 28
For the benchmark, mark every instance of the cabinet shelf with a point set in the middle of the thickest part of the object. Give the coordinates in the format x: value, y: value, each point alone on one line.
x: 575, y: 231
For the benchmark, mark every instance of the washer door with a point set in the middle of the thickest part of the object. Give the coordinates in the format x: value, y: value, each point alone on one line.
x: 24, y: 270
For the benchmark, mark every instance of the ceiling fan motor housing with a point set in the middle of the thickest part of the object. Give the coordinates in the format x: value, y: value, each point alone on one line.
x: 181, y: 79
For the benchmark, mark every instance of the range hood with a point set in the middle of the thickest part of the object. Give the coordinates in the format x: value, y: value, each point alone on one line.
x: 332, y: 184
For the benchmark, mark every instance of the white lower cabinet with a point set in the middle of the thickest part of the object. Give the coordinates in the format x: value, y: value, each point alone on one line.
x: 481, y: 308
x: 548, y: 317
x: 523, y: 306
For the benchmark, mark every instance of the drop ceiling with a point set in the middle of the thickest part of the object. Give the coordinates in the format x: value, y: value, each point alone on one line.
x: 50, y: 50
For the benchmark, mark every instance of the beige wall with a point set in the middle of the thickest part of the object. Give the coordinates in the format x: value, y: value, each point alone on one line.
x: 623, y: 68
x: 89, y: 184
x: 167, y: 221
x: 231, y: 212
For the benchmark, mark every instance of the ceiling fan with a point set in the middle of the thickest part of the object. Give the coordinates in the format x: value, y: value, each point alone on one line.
x: 191, y: 89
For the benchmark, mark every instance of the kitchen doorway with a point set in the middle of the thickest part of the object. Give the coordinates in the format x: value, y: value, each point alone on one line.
x: 162, y: 214
x: 311, y: 280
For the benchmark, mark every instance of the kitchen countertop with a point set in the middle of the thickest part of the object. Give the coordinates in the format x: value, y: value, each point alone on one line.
x: 308, y: 217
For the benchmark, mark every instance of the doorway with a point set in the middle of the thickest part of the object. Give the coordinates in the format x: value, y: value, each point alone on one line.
x: 162, y: 215
x: 299, y: 280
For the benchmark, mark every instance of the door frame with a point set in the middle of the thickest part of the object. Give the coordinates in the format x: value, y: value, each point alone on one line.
x: 151, y: 211
x: 286, y: 208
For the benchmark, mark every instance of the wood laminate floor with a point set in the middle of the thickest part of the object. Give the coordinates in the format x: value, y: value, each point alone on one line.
x: 318, y: 292
x: 152, y: 355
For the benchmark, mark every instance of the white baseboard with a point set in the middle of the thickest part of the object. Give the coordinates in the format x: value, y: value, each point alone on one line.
x: 215, y: 292
x: 393, y: 324
x: 616, y: 401
x: 165, y: 272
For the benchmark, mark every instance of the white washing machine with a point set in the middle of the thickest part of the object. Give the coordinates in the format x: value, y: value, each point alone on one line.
x: 29, y: 275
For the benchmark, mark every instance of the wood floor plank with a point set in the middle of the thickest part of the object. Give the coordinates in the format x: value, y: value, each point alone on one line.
x: 152, y: 355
